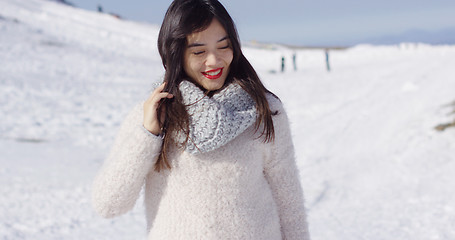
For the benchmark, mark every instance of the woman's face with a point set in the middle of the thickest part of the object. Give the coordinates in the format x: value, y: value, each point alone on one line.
x: 208, y: 56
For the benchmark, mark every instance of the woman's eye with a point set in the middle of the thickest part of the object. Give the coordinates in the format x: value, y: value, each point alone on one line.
x: 225, y: 47
x: 198, y: 53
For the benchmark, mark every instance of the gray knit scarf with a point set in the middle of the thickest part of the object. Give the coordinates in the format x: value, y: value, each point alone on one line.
x: 216, y: 120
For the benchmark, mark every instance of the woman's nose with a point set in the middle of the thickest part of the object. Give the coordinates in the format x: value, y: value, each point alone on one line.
x: 212, y: 59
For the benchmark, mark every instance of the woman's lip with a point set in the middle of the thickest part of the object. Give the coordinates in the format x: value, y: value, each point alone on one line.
x: 213, y: 76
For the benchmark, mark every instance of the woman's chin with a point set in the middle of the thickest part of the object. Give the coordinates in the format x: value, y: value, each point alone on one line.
x: 212, y: 84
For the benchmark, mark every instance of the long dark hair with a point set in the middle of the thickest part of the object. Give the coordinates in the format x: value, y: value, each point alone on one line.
x: 183, y: 18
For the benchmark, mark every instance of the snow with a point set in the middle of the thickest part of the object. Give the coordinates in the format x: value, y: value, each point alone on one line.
x: 372, y: 165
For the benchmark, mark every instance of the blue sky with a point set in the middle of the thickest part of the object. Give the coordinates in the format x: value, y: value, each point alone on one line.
x: 318, y: 22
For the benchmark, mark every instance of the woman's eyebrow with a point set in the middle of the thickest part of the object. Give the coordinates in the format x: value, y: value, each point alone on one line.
x: 222, y: 39
x: 196, y: 44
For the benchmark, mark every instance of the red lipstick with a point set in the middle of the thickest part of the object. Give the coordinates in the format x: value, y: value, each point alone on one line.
x: 209, y: 74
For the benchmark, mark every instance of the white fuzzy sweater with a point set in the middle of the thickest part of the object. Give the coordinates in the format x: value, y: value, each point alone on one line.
x: 245, y: 189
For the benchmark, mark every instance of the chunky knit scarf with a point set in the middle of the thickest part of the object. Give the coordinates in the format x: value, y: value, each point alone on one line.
x: 216, y: 120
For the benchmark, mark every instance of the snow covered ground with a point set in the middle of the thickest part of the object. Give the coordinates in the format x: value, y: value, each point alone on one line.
x: 372, y: 165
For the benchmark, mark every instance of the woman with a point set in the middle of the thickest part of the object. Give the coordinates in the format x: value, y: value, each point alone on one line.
x: 211, y: 144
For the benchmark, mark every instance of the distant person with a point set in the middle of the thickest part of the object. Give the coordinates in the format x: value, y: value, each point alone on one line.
x: 283, y: 60
x: 212, y: 145
x: 100, y: 8
x: 327, y: 60
x: 294, y: 61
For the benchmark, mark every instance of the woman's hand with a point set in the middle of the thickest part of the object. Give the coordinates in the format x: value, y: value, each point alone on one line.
x: 151, y: 105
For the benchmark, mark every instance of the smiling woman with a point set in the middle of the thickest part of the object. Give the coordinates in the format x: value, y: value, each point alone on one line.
x: 212, y: 144
x: 208, y: 56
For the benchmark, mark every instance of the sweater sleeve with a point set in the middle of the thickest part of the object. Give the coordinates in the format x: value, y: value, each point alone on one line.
x: 119, y: 182
x: 282, y: 175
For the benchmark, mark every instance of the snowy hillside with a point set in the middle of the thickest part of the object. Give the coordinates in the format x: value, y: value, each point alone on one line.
x: 373, y: 167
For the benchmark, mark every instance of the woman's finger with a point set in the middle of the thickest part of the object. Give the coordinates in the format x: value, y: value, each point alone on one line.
x: 156, y: 98
x: 160, y: 88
